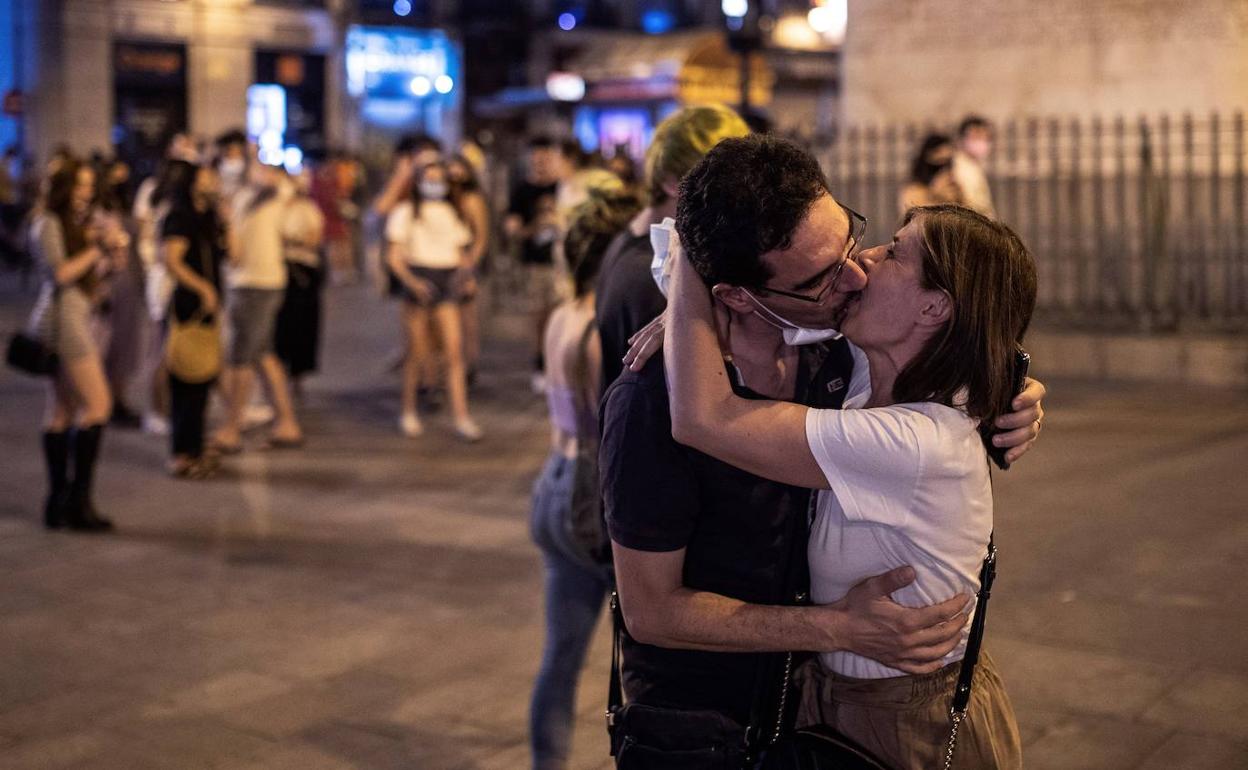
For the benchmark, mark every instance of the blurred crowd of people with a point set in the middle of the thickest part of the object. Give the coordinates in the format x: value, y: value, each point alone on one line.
x: 207, y: 275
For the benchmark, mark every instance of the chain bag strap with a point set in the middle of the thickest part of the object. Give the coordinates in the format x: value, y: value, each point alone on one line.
x: 962, y: 693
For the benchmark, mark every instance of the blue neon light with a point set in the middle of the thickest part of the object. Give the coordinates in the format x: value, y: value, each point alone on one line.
x: 657, y: 21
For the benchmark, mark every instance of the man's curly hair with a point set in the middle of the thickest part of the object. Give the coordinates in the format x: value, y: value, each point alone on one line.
x: 744, y: 199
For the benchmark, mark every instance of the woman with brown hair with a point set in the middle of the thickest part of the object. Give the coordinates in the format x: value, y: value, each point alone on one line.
x: 902, y: 468
x: 932, y: 180
x: 74, y: 253
x: 428, y: 252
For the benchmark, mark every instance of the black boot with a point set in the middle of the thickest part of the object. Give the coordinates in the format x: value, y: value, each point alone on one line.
x: 80, y: 512
x: 56, y: 456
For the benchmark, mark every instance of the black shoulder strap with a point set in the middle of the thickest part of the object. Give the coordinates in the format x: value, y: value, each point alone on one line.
x: 987, y: 573
x: 615, y: 689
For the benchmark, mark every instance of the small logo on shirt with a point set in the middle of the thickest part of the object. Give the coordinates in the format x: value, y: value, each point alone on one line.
x: 836, y: 385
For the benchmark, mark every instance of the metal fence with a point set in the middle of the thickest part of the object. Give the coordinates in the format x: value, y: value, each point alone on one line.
x: 1135, y: 224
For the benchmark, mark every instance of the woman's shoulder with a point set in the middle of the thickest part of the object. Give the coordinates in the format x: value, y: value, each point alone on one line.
x: 935, y: 417
x: 402, y: 211
x: 45, y: 222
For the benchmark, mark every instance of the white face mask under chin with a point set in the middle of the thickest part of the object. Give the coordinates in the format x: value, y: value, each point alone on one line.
x: 661, y: 238
x: 794, y: 335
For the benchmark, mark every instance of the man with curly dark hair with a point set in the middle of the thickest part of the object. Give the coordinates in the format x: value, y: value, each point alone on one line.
x: 710, y: 559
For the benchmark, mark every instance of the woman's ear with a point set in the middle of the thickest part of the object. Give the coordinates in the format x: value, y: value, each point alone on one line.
x: 732, y: 297
x: 671, y: 187
x: 937, y: 307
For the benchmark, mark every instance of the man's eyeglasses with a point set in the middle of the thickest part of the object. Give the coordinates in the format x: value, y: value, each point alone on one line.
x: 857, y: 229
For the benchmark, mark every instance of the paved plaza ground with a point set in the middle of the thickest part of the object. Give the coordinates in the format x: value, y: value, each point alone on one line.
x: 375, y: 602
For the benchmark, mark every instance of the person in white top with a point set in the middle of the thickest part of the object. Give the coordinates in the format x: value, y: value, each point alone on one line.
x: 427, y: 250
x: 903, y: 467
x: 256, y: 283
x: 974, y: 147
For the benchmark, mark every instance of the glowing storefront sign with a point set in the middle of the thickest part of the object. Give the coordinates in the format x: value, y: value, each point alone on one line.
x: 404, y: 78
x: 383, y: 62
x: 266, y: 121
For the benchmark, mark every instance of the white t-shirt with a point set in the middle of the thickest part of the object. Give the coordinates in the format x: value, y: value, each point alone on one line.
x: 970, y: 176
x: 909, y: 485
x: 261, y: 265
x: 435, y: 239
x: 302, y: 231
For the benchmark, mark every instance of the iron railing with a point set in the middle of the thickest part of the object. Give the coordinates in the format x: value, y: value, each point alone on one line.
x: 1135, y: 224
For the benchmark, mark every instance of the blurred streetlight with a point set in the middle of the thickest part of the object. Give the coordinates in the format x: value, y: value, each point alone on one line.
x: 421, y: 86
x: 829, y: 18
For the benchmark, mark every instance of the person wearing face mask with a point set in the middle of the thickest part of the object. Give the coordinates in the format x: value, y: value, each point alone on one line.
x: 428, y: 251
x: 627, y: 298
x: 902, y: 469
x: 233, y: 156
x: 299, y: 321
x: 931, y: 176
x: 974, y: 147
x: 709, y: 558
x: 256, y: 278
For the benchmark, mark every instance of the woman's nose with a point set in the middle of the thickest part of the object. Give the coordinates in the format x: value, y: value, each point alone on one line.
x: 854, y: 275
x: 867, y: 258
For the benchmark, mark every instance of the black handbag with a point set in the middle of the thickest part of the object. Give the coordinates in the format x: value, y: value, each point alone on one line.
x: 31, y: 355
x: 27, y: 353
x: 657, y: 738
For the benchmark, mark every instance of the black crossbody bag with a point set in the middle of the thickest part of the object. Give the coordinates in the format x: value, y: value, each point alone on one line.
x: 30, y: 354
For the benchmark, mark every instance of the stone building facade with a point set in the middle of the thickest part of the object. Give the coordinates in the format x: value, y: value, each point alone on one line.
x: 202, y: 54
x: 935, y: 60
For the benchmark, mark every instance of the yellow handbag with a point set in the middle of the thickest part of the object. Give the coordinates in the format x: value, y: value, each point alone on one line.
x: 193, y: 352
x: 193, y: 348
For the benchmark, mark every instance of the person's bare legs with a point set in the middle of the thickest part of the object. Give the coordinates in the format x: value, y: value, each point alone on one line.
x: 470, y: 324
x: 287, y: 426
x: 416, y: 332
x: 59, y: 408
x: 89, y: 384
x: 236, y: 383
x: 446, y: 318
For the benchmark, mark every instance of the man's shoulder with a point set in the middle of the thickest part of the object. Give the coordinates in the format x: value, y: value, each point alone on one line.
x: 624, y: 248
x: 643, y: 390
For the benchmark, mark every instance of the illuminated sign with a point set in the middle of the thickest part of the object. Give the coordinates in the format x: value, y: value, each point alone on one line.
x: 393, y: 63
x: 565, y: 87
x: 266, y: 121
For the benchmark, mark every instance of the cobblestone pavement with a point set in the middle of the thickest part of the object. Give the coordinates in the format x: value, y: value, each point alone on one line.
x: 374, y: 602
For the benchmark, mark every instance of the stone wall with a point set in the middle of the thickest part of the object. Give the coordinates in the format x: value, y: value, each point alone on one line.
x: 935, y: 60
x: 71, y: 80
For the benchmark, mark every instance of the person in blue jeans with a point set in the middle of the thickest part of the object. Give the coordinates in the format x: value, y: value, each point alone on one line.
x: 577, y: 576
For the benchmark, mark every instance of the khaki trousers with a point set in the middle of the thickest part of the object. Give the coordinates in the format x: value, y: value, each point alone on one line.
x: 904, y: 721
